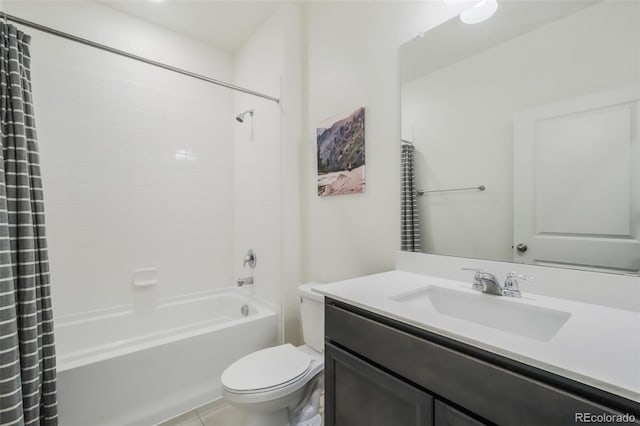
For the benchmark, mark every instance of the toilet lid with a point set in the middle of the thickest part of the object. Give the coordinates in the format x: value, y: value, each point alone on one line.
x: 266, y: 368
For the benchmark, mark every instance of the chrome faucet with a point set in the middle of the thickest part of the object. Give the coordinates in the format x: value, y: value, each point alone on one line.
x: 488, y: 283
x: 249, y: 259
x: 245, y: 281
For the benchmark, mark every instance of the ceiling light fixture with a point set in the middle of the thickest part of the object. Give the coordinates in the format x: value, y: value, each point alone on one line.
x: 481, y: 11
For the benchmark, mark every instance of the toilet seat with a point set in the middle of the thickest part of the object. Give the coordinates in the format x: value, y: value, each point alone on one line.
x: 267, y: 369
x: 270, y: 374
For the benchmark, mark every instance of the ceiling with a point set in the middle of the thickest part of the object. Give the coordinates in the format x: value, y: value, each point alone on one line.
x: 223, y: 24
x: 453, y: 40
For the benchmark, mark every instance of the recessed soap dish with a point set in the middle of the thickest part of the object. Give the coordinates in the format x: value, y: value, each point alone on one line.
x: 145, y: 277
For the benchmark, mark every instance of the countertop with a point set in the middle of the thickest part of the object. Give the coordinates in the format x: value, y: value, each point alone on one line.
x: 598, y: 345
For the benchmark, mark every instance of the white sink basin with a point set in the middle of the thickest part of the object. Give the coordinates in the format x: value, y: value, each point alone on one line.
x: 499, y: 312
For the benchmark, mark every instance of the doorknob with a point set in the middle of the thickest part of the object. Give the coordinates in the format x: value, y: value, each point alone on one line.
x: 521, y: 247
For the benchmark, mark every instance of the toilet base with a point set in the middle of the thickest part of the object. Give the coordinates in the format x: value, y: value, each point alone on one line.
x: 279, y: 418
x: 314, y: 421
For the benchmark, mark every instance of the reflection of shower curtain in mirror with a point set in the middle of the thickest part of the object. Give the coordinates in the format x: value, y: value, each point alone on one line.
x: 409, y: 220
x: 27, y: 355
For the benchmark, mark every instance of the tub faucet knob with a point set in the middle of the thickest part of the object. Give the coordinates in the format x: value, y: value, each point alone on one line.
x: 250, y: 259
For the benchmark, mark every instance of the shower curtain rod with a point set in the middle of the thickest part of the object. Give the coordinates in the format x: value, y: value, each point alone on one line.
x: 110, y: 49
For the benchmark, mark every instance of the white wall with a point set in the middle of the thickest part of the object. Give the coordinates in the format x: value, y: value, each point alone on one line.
x: 352, y: 59
x: 292, y: 92
x: 136, y: 161
x: 461, y: 119
x: 266, y: 190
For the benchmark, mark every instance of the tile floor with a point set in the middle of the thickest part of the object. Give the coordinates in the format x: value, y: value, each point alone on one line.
x: 217, y: 413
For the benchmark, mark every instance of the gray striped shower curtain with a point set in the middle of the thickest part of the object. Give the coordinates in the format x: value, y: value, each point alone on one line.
x: 409, y: 220
x: 27, y: 355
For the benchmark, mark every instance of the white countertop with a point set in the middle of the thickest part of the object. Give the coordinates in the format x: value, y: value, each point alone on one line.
x: 598, y: 345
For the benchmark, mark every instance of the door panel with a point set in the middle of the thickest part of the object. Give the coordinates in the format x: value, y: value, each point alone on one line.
x: 577, y: 183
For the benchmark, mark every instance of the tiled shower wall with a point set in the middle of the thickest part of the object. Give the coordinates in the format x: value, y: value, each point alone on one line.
x: 137, y: 162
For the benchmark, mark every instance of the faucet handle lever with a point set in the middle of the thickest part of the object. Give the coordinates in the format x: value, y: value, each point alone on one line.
x: 514, y: 276
x: 478, y: 271
x: 511, y: 287
x: 477, y: 283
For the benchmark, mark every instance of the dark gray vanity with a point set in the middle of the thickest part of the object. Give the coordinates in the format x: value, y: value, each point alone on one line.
x: 381, y: 372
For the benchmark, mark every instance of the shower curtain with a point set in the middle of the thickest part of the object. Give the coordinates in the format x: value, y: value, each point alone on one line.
x: 409, y: 221
x: 27, y: 354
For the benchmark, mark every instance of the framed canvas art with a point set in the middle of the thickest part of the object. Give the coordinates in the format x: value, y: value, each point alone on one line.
x: 340, y: 154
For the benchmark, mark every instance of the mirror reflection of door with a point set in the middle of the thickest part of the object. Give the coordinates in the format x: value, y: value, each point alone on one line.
x: 577, y: 183
x: 539, y: 104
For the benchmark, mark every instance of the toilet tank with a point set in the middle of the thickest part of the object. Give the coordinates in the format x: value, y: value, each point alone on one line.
x: 312, y: 315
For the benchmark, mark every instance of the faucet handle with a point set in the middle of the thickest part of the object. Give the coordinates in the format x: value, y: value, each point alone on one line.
x: 478, y: 271
x: 511, y: 287
x: 477, y: 284
x: 250, y: 259
x: 513, y: 276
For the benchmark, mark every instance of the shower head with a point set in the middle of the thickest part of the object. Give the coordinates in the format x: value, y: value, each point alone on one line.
x: 240, y: 117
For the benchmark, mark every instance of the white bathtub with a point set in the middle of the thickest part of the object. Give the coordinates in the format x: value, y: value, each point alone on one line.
x: 122, y: 367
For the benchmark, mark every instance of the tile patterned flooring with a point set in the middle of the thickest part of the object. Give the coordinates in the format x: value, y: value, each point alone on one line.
x: 216, y: 413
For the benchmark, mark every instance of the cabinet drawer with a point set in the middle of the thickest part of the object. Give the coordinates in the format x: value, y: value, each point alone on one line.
x: 446, y: 415
x: 493, y: 393
x: 358, y: 394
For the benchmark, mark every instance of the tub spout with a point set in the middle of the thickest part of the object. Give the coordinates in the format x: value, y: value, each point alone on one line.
x: 245, y: 281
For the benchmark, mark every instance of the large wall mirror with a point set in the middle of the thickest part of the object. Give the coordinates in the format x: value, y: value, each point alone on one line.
x: 522, y: 134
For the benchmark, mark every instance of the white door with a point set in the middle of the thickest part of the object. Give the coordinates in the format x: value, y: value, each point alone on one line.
x: 577, y: 183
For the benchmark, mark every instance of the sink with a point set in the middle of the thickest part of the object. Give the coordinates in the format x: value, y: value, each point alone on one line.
x: 499, y: 312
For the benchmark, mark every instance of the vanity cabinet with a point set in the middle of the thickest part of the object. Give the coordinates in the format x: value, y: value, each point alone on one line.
x: 380, y: 372
x: 369, y: 396
x: 446, y: 415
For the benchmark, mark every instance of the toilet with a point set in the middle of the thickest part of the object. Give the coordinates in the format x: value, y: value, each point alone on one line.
x: 282, y: 385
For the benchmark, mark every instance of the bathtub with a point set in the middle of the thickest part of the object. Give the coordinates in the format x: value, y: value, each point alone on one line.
x: 124, y: 366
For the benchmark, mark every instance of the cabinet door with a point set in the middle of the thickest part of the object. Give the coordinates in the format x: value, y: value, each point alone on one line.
x: 446, y: 415
x: 359, y: 394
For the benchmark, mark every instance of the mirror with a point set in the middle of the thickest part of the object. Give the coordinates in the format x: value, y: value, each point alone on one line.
x: 539, y: 107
